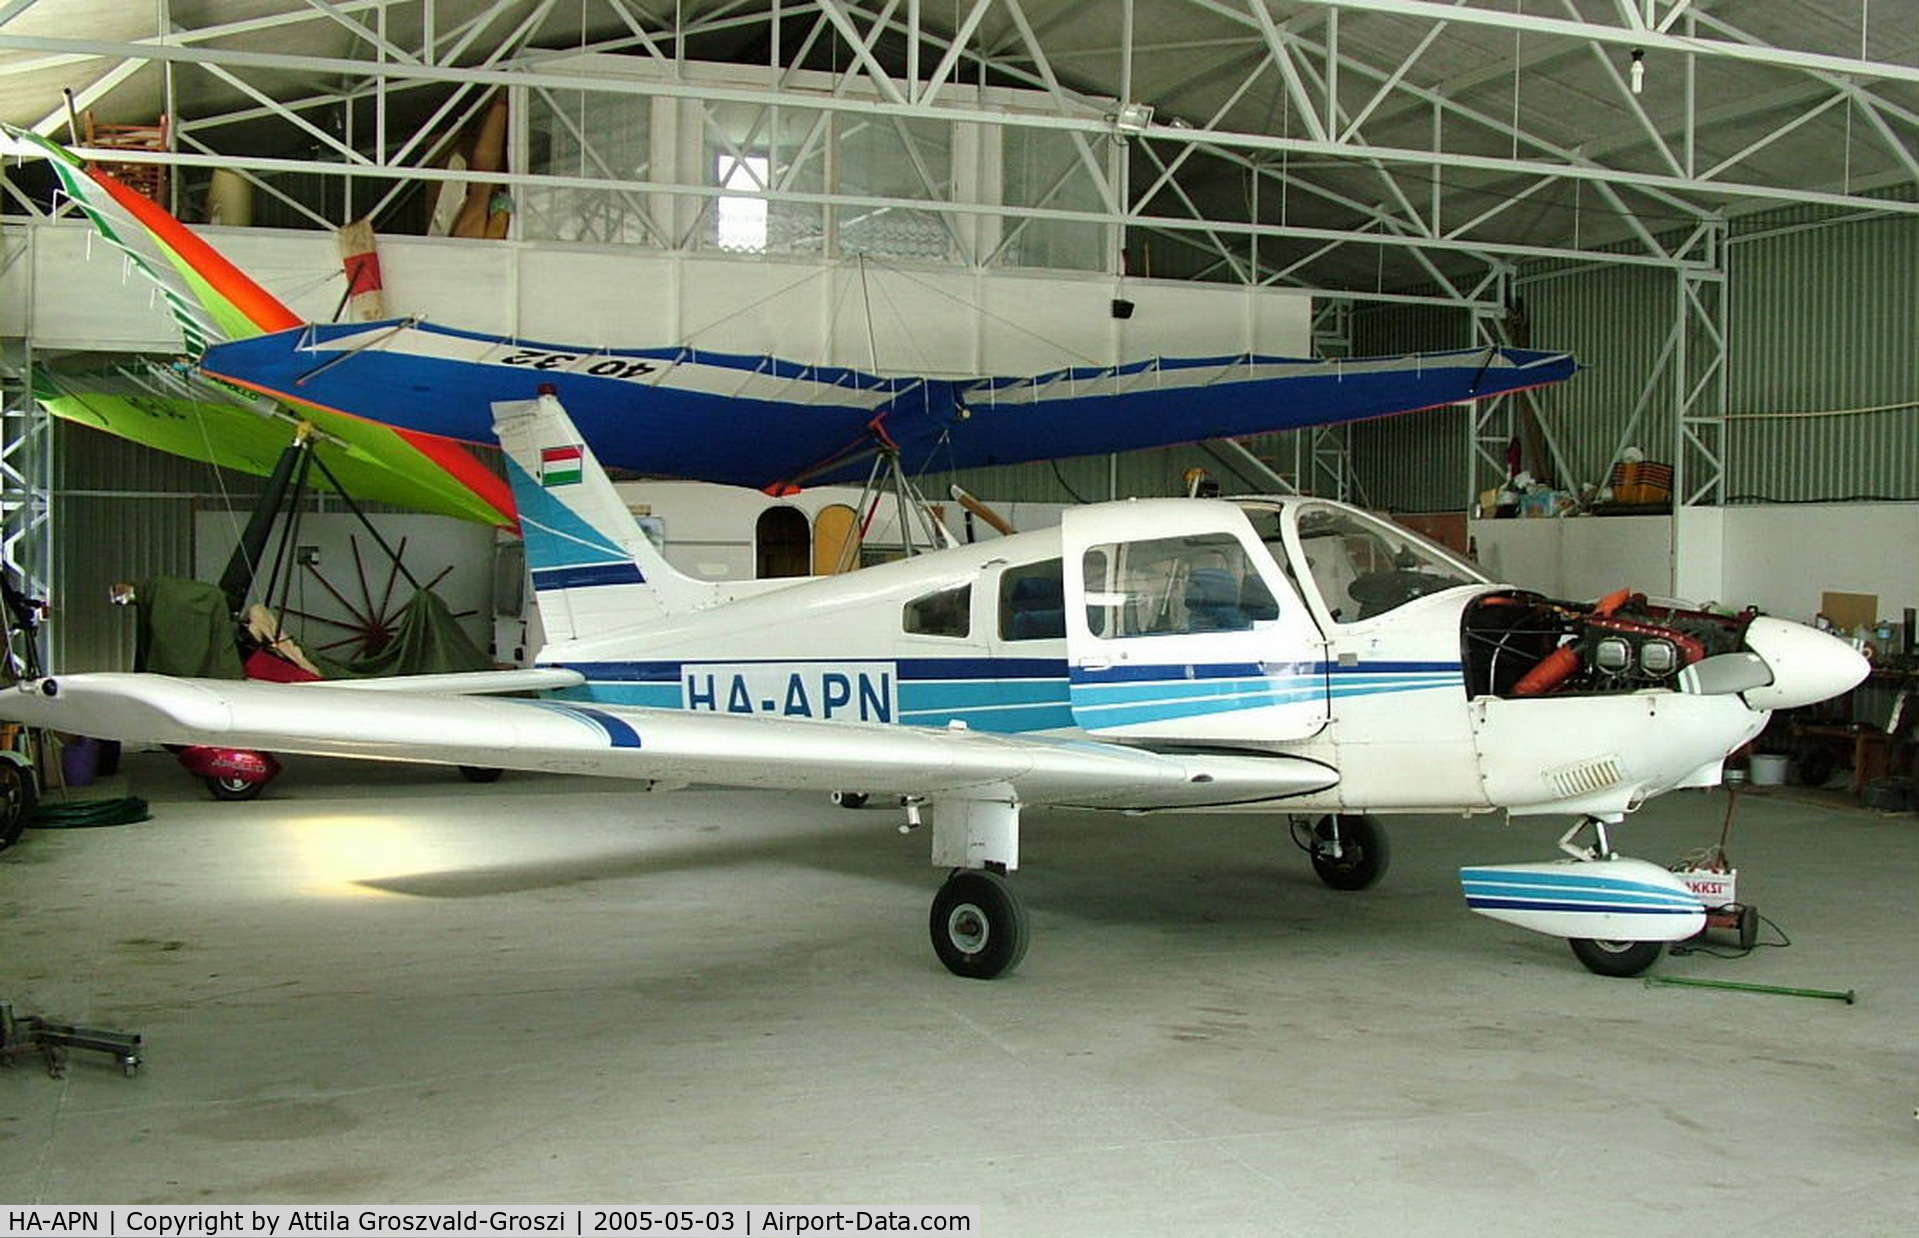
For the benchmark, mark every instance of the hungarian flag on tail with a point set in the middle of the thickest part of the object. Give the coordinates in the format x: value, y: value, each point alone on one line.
x: 561, y: 466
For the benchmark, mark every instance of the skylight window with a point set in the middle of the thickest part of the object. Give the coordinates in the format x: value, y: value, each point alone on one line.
x: 742, y: 221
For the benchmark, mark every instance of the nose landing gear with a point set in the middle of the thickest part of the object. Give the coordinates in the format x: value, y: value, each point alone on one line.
x: 1617, y: 914
x: 1604, y: 956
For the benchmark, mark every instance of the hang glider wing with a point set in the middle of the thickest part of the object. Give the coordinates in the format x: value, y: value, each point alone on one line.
x: 241, y: 431
x: 761, y: 421
x: 211, y: 300
x: 663, y: 745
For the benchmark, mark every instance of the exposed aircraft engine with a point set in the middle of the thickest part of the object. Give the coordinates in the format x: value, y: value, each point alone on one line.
x: 1526, y: 645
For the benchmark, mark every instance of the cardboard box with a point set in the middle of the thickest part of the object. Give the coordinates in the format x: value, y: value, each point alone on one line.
x: 1850, y: 611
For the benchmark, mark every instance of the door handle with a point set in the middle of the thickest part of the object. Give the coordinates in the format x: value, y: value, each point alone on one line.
x: 1095, y: 664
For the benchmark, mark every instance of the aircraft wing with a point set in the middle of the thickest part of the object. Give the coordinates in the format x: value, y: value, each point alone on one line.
x: 461, y: 683
x: 663, y: 745
x: 771, y: 423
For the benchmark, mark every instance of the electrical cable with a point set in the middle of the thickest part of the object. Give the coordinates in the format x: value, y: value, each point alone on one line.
x: 1686, y: 948
x: 1061, y: 479
x: 87, y: 814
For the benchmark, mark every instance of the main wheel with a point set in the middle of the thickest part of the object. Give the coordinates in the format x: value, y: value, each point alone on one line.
x: 850, y: 799
x: 1616, y: 958
x: 16, y: 800
x: 234, y: 789
x: 481, y: 773
x: 1363, y: 853
x: 979, y: 925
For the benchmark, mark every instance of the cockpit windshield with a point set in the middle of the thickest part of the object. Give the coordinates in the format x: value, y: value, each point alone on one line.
x: 1360, y: 566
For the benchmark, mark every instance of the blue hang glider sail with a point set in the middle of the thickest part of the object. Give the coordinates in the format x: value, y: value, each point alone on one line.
x: 773, y: 424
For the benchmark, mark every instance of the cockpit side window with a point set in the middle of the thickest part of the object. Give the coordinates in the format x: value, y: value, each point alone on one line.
x: 1174, y: 585
x: 947, y: 612
x: 1362, y: 567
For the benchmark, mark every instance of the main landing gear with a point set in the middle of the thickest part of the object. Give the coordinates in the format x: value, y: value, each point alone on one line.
x: 978, y: 924
x: 1349, y: 850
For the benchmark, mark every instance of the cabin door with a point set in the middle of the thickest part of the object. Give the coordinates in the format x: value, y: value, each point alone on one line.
x: 1179, y: 626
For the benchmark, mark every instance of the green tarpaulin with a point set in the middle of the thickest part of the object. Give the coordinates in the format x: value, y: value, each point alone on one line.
x: 186, y: 629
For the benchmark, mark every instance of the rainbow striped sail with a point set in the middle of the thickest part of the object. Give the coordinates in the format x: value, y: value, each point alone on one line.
x: 213, y: 301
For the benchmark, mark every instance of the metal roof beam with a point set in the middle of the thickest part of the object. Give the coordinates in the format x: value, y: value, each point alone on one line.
x: 1660, y: 186
x: 862, y: 46
x: 1453, y: 107
x: 1626, y: 35
x: 262, y: 165
x: 332, y: 12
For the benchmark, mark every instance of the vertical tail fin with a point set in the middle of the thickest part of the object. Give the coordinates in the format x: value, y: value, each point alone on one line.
x: 593, y: 567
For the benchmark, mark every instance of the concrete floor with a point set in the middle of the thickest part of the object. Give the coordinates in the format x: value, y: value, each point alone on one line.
x: 382, y: 985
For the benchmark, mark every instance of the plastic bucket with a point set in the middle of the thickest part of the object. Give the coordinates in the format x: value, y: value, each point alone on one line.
x: 1768, y: 769
x: 80, y: 761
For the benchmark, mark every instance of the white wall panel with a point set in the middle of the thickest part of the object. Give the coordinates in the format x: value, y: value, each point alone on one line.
x: 950, y: 322
x: 1579, y: 558
x: 1781, y: 558
x: 85, y: 294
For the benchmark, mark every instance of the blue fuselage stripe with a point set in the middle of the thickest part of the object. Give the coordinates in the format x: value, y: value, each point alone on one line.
x: 1034, y: 694
x: 586, y: 575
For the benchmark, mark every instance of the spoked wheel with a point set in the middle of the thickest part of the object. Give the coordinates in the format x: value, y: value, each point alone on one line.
x: 16, y: 799
x: 481, y: 773
x: 1616, y: 958
x: 234, y: 789
x: 1349, y: 851
x: 979, y: 925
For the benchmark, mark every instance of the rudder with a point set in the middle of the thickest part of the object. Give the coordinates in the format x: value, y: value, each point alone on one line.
x: 593, y: 567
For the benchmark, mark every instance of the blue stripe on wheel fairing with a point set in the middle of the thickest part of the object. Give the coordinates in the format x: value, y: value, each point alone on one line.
x: 1623, y: 909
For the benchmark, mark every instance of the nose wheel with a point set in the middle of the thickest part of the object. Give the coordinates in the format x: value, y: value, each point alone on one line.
x: 979, y: 925
x: 1616, y: 958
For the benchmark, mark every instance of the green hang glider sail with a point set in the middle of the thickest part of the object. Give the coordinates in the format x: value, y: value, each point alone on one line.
x: 247, y: 434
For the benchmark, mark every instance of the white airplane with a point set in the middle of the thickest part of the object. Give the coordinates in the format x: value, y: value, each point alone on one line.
x: 1273, y: 655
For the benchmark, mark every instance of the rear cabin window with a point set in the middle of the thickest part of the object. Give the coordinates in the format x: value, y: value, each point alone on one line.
x: 946, y: 613
x: 1174, y: 585
x: 1032, y: 602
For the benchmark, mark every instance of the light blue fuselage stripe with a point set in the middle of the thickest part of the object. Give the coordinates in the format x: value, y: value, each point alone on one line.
x: 1023, y: 700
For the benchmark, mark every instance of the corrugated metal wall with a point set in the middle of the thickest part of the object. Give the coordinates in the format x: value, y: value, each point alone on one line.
x: 121, y: 512
x: 1615, y: 320
x: 1414, y: 463
x: 1824, y: 318
x: 1820, y: 315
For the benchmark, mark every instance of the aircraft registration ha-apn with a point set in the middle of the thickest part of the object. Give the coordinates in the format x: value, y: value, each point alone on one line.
x: 1289, y: 656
